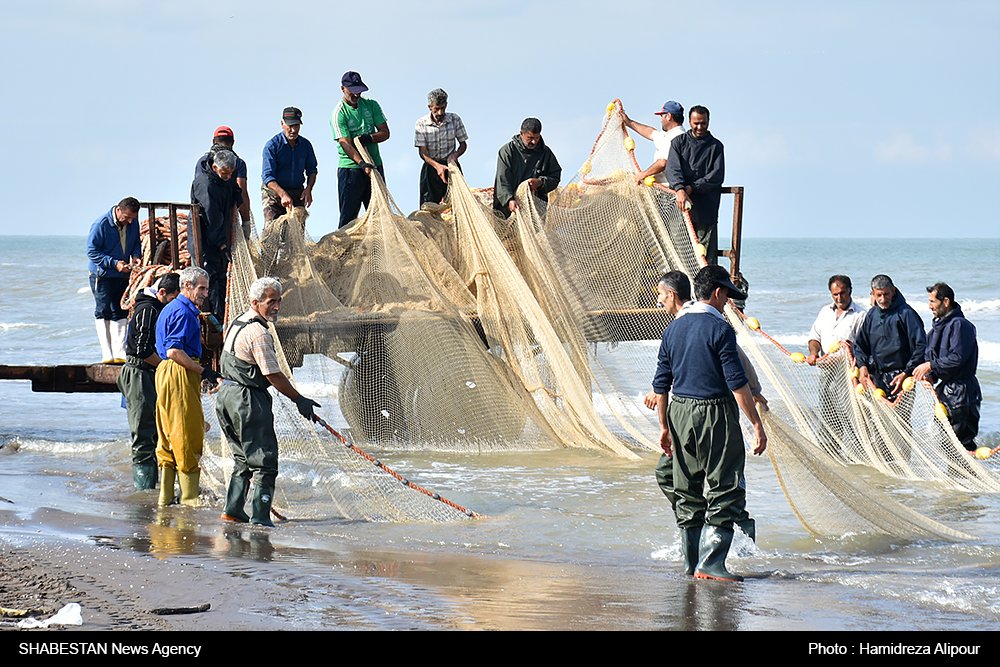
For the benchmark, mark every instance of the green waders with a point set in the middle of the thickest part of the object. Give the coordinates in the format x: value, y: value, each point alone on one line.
x: 137, y: 382
x: 246, y: 418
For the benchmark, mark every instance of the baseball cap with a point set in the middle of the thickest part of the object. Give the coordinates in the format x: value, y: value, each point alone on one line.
x: 291, y: 116
x: 670, y: 107
x: 352, y: 81
x: 223, y: 131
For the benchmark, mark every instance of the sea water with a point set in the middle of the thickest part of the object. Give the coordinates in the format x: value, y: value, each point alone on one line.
x: 577, y: 540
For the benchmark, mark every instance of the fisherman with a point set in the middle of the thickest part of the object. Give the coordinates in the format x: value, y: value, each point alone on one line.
x: 674, y: 295
x: 891, y: 342
x: 672, y: 121
x: 951, y: 356
x: 524, y: 158
x: 361, y: 117
x: 250, y: 366
x: 699, y: 361
x: 696, y: 168
x: 114, y: 249
x: 437, y: 135
x: 215, y: 192
x: 136, y: 380
x: 224, y: 138
x: 288, y: 173
x: 180, y: 423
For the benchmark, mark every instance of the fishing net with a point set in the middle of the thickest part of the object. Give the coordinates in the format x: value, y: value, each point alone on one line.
x: 460, y: 330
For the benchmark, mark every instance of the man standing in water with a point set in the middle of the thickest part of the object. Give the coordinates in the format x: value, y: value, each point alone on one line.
x: 672, y: 121
x: 361, y: 117
x: 136, y: 380
x: 696, y: 168
x: 699, y: 360
x: 180, y: 423
x: 250, y: 366
x: 524, y: 158
x: 289, y: 168
x: 952, y: 355
x: 114, y: 249
x: 440, y: 137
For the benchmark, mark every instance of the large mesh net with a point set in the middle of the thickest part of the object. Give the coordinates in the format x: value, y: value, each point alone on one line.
x: 460, y: 330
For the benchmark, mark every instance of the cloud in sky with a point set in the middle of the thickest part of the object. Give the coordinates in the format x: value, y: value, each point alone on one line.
x: 903, y: 148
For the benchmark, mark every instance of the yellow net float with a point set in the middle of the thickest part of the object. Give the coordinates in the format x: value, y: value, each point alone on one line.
x: 629, y: 144
x: 879, y: 393
x: 700, y: 250
x: 909, y: 383
x: 941, y: 412
x: 753, y: 323
x: 585, y: 169
x: 859, y: 389
x: 854, y: 372
x: 611, y: 108
x: 798, y: 357
x: 983, y: 453
x: 833, y: 347
x: 649, y: 180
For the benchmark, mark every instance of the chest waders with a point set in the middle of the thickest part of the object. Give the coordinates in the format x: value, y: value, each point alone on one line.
x: 247, y: 422
x: 137, y: 383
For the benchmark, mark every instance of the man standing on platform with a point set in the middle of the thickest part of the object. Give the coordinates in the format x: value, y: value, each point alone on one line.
x: 440, y: 137
x: 289, y: 168
x: 361, y: 117
x: 699, y: 360
x: 136, y: 380
x: 696, y: 168
x: 224, y: 138
x: 114, y: 249
x: 672, y: 121
x: 952, y: 355
x: 215, y: 192
x: 524, y: 158
x: 180, y: 422
x: 250, y: 366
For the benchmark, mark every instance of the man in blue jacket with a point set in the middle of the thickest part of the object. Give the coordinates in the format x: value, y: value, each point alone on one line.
x: 951, y: 357
x: 114, y: 250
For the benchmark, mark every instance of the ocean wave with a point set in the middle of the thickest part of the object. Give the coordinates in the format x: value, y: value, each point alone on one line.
x: 980, y: 306
x: 989, y: 352
x: 793, y: 339
x: 7, y: 326
x: 83, y: 290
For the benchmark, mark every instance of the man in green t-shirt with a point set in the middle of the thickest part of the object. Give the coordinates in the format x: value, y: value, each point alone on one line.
x: 357, y: 116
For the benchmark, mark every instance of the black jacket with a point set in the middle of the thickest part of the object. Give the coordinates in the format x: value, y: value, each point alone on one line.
x: 140, y: 341
x: 217, y: 199
x: 891, y: 340
x: 516, y: 164
x: 953, y: 352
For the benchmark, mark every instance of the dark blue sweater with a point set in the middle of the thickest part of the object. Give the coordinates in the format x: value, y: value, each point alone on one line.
x: 953, y: 352
x: 698, y: 358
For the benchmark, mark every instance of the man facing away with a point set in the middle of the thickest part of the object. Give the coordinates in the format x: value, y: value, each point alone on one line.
x: 696, y: 168
x: 951, y: 358
x: 114, y: 249
x: 136, y: 380
x: 524, y: 158
x: 699, y: 361
x: 440, y: 138
x: 356, y: 116
x: 250, y: 366
x: 180, y: 423
x: 288, y: 172
x: 672, y: 122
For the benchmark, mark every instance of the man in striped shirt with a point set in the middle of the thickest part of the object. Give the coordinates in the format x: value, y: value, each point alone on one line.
x: 440, y: 138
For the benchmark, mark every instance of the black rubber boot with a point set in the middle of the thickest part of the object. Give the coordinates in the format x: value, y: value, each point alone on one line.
x: 144, y: 475
x: 236, y: 499
x: 715, y: 543
x: 690, y: 545
x: 260, y: 510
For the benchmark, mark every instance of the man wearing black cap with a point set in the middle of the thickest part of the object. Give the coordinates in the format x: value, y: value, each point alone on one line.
x: 289, y: 164
x: 696, y: 168
x: 361, y: 117
x: 672, y: 121
x: 224, y: 138
x: 700, y: 427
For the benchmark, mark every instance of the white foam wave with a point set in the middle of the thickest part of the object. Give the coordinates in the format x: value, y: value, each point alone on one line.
x: 7, y: 326
x: 980, y: 306
x: 989, y: 352
x: 793, y: 339
x: 83, y: 290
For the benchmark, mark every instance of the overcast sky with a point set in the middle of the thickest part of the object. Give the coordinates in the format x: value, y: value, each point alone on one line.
x: 863, y: 119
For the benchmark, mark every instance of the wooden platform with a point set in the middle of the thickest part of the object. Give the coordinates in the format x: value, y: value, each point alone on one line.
x: 67, y: 379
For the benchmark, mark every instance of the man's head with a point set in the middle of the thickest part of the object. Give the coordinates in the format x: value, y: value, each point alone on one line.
x: 531, y: 132
x: 224, y: 136
x: 352, y: 86
x: 698, y: 120
x: 673, y: 291
x: 265, y: 298
x: 713, y: 286
x: 883, y: 291
x: 194, y: 284
x: 291, y: 121
x: 127, y: 210
x: 940, y: 299
x: 840, y: 290
x: 167, y: 287
x: 671, y: 115
x: 437, y: 102
x: 224, y: 163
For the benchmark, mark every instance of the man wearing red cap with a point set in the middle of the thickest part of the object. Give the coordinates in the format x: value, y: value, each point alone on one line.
x: 224, y: 138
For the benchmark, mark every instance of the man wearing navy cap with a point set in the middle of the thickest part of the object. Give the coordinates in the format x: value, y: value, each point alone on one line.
x: 289, y: 170
x: 361, y: 117
x: 672, y: 121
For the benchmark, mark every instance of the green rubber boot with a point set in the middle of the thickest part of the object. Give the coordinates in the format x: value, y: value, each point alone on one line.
x: 167, y: 478
x: 190, y: 487
x: 749, y: 528
x: 236, y: 499
x: 690, y: 545
x: 144, y: 476
x: 714, y: 548
x: 260, y: 510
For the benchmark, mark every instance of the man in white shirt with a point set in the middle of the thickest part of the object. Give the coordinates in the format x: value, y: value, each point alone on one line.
x: 837, y: 322
x: 672, y: 121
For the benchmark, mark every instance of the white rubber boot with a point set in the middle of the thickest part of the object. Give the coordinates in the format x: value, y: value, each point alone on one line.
x: 104, y: 338
x: 118, y: 339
